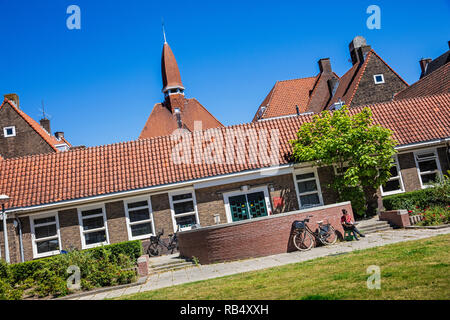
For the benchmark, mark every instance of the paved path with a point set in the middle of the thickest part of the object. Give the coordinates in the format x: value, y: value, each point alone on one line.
x: 205, y: 272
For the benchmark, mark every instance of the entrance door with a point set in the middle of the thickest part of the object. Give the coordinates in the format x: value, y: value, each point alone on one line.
x: 247, y: 206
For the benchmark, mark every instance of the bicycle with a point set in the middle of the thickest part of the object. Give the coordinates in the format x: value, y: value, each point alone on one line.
x: 157, y: 245
x: 304, y: 236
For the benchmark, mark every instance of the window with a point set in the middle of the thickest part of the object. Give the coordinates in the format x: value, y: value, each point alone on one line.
x: 249, y: 204
x: 308, y: 188
x: 184, y: 210
x: 9, y: 132
x: 395, y: 182
x: 378, y: 78
x: 139, y: 218
x: 93, y: 227
x: 45, y: 235
x: 428, y: 167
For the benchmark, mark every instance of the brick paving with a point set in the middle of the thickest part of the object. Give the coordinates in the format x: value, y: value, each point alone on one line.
x: 205, y: 272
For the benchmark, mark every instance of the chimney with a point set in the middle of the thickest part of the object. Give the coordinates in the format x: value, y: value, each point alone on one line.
x: 13, y: 97
x: 325, y: 65
x: 45, y: 123
x: 354, y: 46
x: 59, y: 135
x: 423, y: 64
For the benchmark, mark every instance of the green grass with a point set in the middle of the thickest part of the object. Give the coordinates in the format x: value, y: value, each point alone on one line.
x: 409, y: 270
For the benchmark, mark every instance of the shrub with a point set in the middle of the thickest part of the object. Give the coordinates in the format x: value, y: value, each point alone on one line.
x: 8, y: 292
x: 433, y: 216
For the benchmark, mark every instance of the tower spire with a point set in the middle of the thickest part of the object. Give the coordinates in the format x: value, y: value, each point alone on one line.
x: 164, y: 31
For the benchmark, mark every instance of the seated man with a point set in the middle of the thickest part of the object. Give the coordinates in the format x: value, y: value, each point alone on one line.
x: 348, y: 224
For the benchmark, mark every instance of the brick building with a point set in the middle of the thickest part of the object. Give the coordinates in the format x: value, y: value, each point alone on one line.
x: 21, y: 135
x: 176, y: 111
x: 107, y: 194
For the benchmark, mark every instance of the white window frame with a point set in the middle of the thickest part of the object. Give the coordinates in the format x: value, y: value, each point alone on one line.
x: 227, y: 195
x: 33, y: 234
x: 438, y: 165
x: 129, y: 223
x: 172, y: 210
x: 375, y: 78
x: 399, y: 177
x: 5, y: 129
x: 319, y: 190
x: 105, y: 225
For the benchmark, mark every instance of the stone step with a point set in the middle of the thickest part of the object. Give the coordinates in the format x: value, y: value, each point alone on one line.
x: 365, y: 224
x: 172, y: 267
x: 167, y: 264
x: 373, y: 229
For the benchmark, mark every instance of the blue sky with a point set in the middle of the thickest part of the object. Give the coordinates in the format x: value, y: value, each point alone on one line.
x: 99, y: 84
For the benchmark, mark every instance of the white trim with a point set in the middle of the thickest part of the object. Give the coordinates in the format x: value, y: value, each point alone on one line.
x: 375, y: 78
x: 9, y: 135
x: 421, y: 144
x: 172, y: 210
x: 438, y: 171
x: 105, y: 225
x: 399, y: 177
x: 316, y: 177
x: 127, y: 215
x: 33, y: 234
x: 227, y: 195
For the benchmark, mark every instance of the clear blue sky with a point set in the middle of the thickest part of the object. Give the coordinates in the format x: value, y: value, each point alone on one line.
x: 100, y: 83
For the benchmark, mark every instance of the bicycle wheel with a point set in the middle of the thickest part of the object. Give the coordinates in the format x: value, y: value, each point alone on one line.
x: 329, y: 237
x: 153, y: 250
x: 303, y: 240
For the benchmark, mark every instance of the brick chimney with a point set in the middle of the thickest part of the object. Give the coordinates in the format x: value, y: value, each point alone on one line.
x: 325, y: 65
x: 13, y: 97
x: 423, y: 64
x: 358, y: 48
x: 45, y: 123
x: 59, y: 135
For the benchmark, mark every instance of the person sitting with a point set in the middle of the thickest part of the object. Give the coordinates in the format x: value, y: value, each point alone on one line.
x: 349, y: 225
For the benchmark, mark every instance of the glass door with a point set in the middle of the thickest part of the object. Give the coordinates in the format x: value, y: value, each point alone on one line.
x: 247, y: 206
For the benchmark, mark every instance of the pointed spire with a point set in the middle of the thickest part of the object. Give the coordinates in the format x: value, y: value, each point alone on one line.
x: 164, y: 31
x: 169, y: 68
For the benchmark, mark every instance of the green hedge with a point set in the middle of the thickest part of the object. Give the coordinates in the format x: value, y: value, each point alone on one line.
x: 420, y: 198
x: 27, y: 270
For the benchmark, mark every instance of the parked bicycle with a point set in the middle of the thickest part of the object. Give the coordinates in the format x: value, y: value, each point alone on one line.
x: 304, y: 237
x: 157, y: 245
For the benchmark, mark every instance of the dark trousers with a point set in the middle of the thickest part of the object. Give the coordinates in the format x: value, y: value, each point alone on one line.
x: 353, y: 229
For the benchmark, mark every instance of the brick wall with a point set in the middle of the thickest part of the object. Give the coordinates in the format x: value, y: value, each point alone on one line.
x: 253, y: 238
x: 116, y: 219
x: 409, y: 171
x: 443, y: 159
x: 26, y: 142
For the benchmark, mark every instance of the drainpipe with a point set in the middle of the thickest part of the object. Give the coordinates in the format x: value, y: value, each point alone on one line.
x: 5, y: 234
x: 18, y: 225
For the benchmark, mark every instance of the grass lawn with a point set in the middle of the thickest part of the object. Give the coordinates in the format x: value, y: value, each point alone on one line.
x: 409, y: 270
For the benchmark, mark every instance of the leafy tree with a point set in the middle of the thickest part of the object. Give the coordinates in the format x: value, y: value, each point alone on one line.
x: 361, y: 151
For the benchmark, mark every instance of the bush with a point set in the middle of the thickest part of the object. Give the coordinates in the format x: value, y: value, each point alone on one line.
x: 433, y: 216
x: 438, y: 195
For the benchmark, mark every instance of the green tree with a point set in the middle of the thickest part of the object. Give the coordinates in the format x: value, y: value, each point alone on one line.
x: 361, y: 151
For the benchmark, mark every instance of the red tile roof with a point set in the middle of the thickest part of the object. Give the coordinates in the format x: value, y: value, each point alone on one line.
x: 82, y: 173
x: 433, y: 83
x: 285, y: 95
x: 163, y: 122
x: 51, y: 140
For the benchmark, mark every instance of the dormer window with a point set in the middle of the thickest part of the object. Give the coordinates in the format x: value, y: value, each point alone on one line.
x: 378, y: 78
x: 9, y: 132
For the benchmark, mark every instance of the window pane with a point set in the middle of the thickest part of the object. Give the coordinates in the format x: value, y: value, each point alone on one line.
x: 141, y: 229
x: 93, y: 223
x: 309, y: 200
x: 44, y: 220
x: 47, y: 246
x: 95, y: 237
x: 91, y: 212
x: 45, y: 231
x: 183, y: 207
x: 394, y: 172
x: 137, y: 204
x: 185, y: 222
x: 138, y: 215
x: 425, y: 155
x: 392, y: 185
x: 182, y: 196
x: 307, y: 186
x: 428, y: 178
x: 305, y: 176
x: 428, y: 165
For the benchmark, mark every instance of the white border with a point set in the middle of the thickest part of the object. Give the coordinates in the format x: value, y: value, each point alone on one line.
x: 80, y: 222
x: 438, y: 165
x: 9, y: 135
x: 319, y: 189
x: 33, y: 234
x: 150, y: 211
x: 375, y: 78
x: 227, y: 195
x: 172, y: 211
x: 402, y: 186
